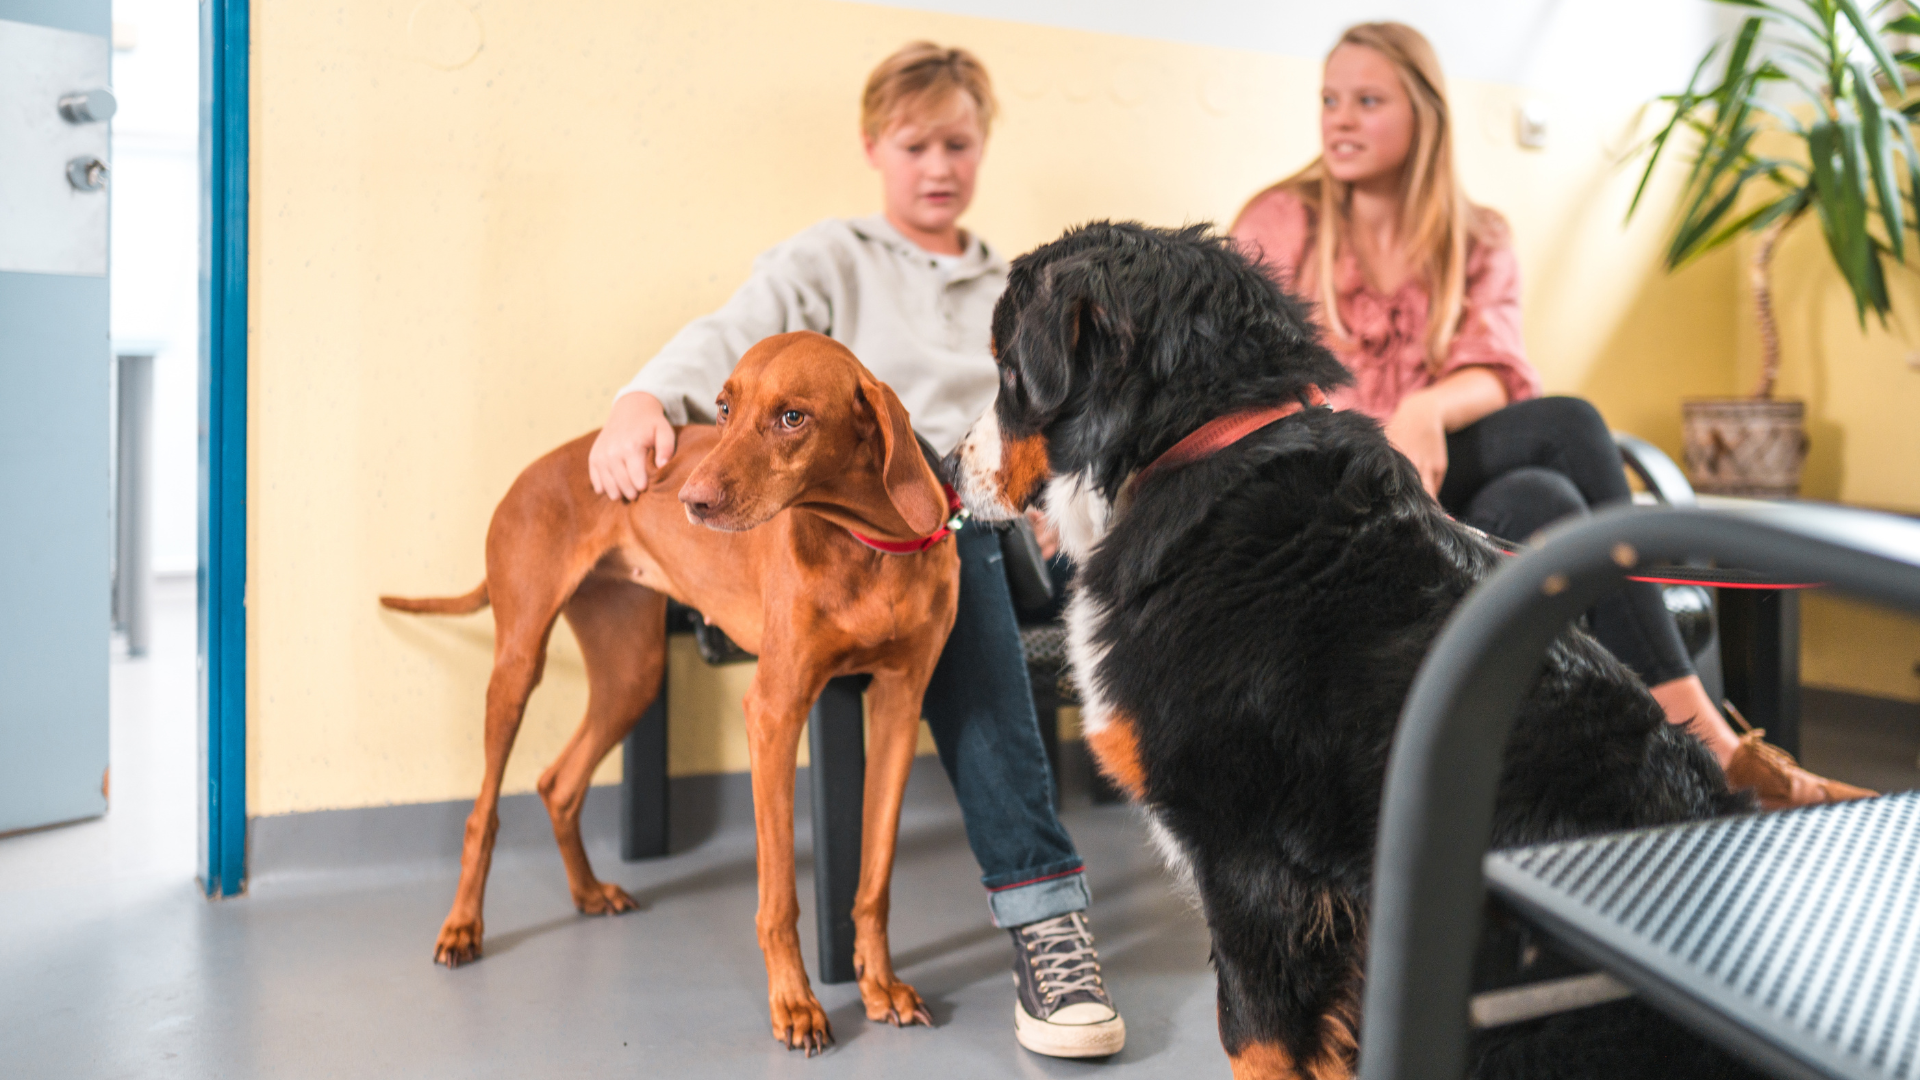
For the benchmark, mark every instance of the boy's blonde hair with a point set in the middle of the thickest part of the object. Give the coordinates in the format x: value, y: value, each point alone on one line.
x: 922, y: 75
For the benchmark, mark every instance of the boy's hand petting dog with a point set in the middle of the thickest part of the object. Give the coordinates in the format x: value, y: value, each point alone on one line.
x: 637, y: 430
x: 1418, y: 430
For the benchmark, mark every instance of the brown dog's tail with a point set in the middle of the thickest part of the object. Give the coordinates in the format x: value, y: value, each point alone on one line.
x: 440, y: 605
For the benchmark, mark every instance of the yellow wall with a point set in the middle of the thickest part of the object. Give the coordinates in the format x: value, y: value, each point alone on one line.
x: 472, y: 222
x: 1862, y: 389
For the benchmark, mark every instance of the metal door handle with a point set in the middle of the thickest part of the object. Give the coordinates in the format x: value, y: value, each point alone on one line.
x: 89, y: 106
x: 87, y: 174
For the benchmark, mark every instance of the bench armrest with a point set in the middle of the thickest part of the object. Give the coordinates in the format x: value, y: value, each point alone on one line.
x: 1655, y: 469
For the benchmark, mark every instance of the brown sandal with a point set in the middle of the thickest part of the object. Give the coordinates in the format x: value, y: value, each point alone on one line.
x: 1776, y: 778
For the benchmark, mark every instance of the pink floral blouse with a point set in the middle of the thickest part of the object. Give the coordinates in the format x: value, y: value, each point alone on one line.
x: 1387, y: 351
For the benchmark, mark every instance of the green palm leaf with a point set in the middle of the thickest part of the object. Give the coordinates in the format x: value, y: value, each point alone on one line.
x: 1879, y: 48
x: 1878, y: 148
x: 1860, y: 176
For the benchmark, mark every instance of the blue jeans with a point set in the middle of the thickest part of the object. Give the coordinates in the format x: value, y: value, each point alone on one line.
x: 979, y: 705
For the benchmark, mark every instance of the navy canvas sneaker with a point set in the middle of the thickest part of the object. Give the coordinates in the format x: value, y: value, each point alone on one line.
x: 1062, y: 1009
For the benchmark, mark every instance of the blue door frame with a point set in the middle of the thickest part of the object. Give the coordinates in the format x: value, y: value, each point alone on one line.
x: 223, y: 442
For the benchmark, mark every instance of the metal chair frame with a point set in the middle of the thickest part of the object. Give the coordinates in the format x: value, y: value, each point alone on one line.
x: 1429, y: 883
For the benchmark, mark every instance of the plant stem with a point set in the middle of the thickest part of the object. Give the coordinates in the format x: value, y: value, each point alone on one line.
x: 1760, y: 275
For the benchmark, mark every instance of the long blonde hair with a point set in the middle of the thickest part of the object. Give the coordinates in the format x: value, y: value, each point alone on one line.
x: 1437, y: 222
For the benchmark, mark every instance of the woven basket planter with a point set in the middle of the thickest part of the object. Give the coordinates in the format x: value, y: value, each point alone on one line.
x: 1744, y: 446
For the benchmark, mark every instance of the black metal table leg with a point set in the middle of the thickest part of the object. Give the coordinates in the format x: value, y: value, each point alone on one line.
x: 1760, y: 656
x: 643, y: 783
x: 837, y: 740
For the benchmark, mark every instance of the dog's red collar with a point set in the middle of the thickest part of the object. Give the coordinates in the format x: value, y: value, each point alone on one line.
x: 1219, y: 433
x: 911, y: 547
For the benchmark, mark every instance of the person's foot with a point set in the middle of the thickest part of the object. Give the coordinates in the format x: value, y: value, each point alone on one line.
x: 1062, y: 1009
x: 1781, y: 782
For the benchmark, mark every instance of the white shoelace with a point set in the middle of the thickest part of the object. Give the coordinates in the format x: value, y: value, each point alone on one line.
x: 1067, y: 970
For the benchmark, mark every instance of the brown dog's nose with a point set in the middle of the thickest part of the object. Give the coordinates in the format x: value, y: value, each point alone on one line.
x: 702, y: 497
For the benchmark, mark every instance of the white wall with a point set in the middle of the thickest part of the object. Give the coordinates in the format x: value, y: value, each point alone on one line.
x: 156, y: 247
x: 1632, y: 49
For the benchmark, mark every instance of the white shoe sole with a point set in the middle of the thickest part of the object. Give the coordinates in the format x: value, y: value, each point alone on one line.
x: 1068, y: 1040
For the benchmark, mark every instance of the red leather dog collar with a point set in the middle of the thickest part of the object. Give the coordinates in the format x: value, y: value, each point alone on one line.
x: 1219, y: 433
x: 910, y: 547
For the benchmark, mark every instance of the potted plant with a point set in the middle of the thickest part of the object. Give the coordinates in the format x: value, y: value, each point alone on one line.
x: 1806, y: 119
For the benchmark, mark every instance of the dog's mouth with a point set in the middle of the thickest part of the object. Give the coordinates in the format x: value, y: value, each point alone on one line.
x: 730, y: 516
x: 710, y: 504
x: 995, y: 479
x: 715, y: 521
x: 999, y: 480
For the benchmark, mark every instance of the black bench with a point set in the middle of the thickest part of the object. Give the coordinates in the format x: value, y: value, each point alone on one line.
x: 837, y: 746
x: 1750, y: 654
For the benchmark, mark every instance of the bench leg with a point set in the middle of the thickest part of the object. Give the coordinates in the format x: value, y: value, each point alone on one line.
x: 836, y: 737
x: 643, y: 783
x: 1760, y: 658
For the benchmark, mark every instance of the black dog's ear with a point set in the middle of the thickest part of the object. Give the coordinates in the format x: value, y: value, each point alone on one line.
x: 1075, y: 317
x: 1048, y: 371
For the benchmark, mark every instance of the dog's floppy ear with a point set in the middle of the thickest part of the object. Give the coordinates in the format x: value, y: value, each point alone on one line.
x: 1076, y: 313
x: 1048, y: 358
x: 911, y: 484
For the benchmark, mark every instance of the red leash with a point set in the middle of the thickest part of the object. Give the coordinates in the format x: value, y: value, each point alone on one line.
x: 1707, y: 578
x: 1221, y: 432
x: 1711, y: 577
x: 912, y: 547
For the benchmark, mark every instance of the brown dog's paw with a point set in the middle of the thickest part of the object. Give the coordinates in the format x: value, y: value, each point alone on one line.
x: 459, y: 943
x: 800, y: 1023
x: 605, y: 899
x: 894, y: 1003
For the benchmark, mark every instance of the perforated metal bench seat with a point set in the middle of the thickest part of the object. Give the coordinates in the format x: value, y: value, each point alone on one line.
x: 1790, y: 938
x: 1787, y: 938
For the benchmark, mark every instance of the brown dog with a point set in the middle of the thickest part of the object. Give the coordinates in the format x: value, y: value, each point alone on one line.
x: 810, y: 448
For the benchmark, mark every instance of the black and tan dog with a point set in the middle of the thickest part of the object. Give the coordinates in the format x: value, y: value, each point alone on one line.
x: 1245, y: 627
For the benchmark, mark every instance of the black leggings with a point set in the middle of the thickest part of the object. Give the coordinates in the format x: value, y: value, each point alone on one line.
x: 1532, y: 463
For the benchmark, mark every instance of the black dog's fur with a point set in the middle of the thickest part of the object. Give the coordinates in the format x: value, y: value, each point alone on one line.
x: 1257, y: 617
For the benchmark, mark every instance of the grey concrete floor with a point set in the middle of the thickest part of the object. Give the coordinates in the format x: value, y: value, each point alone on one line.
x: 330, y: 975
x: 112, y: 965
x: 1867, y: 741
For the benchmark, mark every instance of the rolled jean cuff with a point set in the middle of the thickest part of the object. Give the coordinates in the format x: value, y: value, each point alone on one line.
x: 1040, y: 896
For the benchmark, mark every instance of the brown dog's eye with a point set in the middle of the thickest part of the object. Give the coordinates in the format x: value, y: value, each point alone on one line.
x: 723, y: 412
x: 792, y: 418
